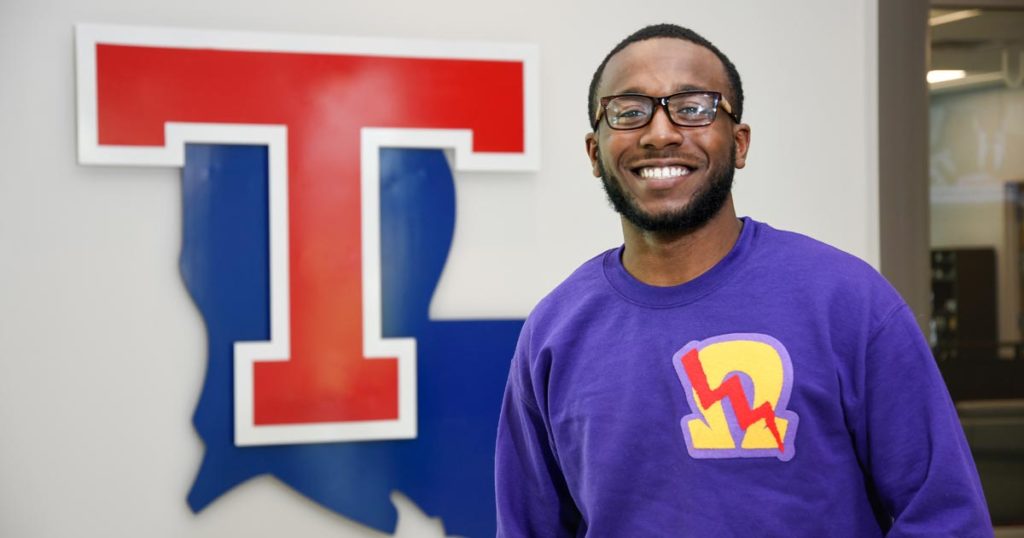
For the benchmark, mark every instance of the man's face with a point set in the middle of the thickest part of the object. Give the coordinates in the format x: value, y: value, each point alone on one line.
x: 662, y: 177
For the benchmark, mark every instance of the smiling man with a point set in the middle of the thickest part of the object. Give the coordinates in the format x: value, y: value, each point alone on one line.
x: 715, y: 376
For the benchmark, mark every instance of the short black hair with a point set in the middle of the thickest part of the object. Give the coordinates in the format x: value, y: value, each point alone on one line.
x: 675, y: 32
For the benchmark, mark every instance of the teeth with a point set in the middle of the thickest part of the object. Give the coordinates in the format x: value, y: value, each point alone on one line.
x: 663, y: 172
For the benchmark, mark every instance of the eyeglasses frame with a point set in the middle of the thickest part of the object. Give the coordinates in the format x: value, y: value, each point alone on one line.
x: 720, y: 100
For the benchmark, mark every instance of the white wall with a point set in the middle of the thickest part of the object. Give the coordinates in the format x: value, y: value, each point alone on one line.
x: 101, y: 350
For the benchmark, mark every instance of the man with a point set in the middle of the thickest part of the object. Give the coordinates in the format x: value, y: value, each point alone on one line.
x: 715, y: 376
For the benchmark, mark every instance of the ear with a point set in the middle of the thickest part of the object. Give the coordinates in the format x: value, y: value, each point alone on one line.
x: 593, y: 153
x: 741, y: 135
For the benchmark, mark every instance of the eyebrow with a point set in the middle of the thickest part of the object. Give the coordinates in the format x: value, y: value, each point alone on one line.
x: 677, y: 89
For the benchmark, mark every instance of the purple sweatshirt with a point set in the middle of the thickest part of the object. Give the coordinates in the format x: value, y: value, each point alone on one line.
x: 785, y: 392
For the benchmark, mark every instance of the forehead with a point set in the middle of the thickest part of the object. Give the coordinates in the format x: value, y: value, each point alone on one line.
x: 662, y: 66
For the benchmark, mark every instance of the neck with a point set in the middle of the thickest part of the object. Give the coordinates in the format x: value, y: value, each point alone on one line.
x: 670, y: 259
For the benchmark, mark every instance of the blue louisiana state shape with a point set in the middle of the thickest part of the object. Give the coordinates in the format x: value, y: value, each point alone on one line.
x: 448, y: 468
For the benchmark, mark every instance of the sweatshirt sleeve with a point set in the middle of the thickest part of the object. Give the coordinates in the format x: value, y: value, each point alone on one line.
x: 910, y: 440
x: 531, y: 492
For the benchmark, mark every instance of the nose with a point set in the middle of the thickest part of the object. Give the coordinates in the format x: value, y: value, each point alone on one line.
x: 661, y: 132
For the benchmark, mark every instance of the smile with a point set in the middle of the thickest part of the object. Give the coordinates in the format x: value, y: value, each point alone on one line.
x: 662, y: 172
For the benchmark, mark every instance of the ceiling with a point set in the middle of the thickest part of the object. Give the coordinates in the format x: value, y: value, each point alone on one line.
x: 976, y: 41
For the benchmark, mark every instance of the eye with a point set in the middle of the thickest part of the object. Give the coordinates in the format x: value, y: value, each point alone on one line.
x: 632, y: 113
x: 624, y: 106
x: 625, y: 111
x: 689, y: 109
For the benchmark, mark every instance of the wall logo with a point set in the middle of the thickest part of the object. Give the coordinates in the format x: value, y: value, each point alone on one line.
x: 319, y: 208
x: 738, y: 387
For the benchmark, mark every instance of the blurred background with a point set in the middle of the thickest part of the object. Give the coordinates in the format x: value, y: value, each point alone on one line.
x: 976, y: 166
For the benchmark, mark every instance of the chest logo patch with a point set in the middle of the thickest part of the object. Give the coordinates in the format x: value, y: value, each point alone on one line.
x: 738, y: 386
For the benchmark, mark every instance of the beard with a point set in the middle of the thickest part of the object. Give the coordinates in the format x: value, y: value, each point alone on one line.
x: 705, y: 203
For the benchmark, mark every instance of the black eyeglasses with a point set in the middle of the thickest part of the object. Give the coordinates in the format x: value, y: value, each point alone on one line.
x: 685, y: 109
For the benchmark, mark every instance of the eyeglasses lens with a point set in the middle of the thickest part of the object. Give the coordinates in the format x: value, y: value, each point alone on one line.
x: 685, y: 109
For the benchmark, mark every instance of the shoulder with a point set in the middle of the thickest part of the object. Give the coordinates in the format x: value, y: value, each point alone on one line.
x: 820, y: 272
x: 561, y: 306
x: 804, y: 250
x: 796, y: 254
x: 587, y: 279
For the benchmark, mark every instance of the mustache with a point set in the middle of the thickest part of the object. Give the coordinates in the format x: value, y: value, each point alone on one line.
x: 674, y: 155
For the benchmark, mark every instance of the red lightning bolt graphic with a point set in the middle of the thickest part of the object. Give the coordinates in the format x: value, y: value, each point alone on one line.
x: 732, y: 389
